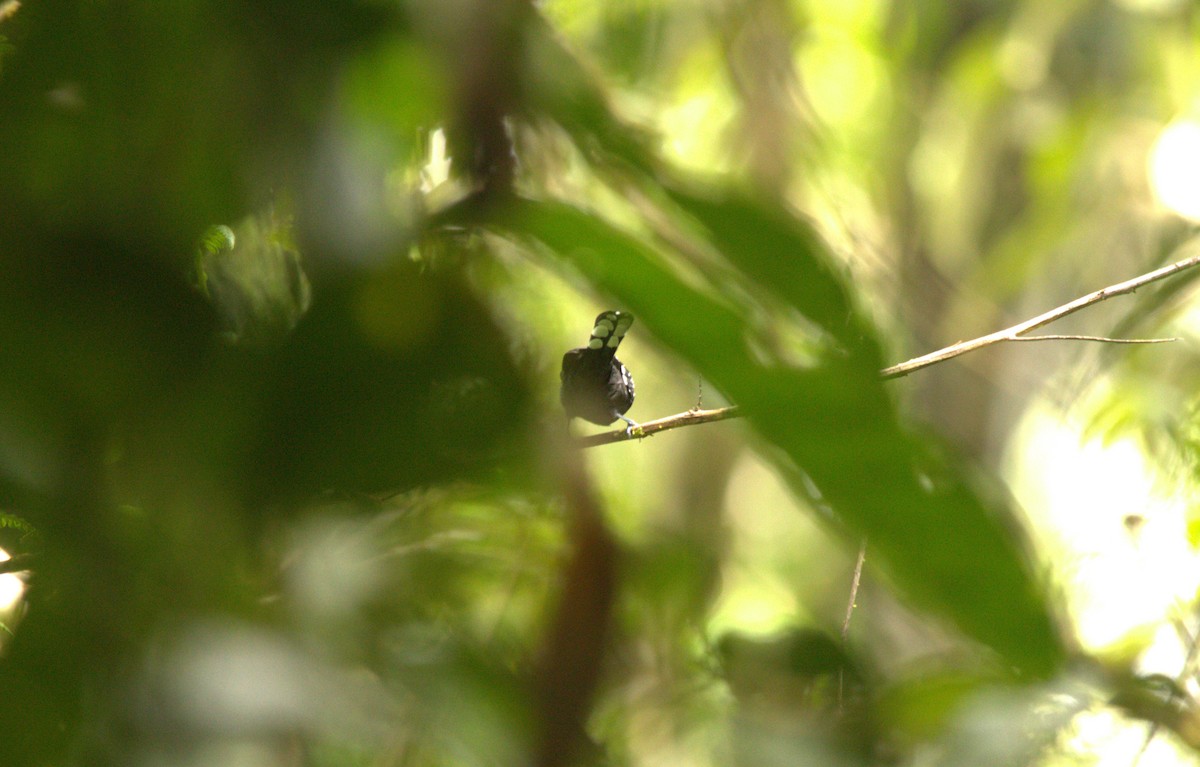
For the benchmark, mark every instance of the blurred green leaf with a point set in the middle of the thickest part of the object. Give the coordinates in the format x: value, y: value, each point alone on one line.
x: 946, y: 546
x: 171, y: 475
x: 393, y: 379
x: 920, y: 708
x: 783, y: 256
x: 254, y: 279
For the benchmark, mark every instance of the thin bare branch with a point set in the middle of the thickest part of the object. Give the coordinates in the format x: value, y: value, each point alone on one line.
x: 1021, y: 328
x: 1015, y: 333
x: 1101, y: 339
x: 855, y: 580
x: 649, y: 428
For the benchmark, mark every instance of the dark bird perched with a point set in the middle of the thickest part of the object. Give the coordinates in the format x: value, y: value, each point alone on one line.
x: 595, y: 385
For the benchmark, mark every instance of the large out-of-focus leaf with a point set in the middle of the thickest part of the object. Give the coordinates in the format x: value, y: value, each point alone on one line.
x: 391, y: 380
x: 781, y: 253
x: 142, y: 120
x: 944, y: 545
x: 254, y: 279
x: 561, y: 87
x: 783, y: 256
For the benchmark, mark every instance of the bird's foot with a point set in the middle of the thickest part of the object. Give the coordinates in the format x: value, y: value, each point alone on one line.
x: 630, y: 425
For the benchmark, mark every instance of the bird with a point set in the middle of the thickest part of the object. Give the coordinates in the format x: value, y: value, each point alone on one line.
x: 595, y: 385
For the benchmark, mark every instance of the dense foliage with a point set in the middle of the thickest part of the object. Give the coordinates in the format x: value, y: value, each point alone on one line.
x: 283, y: 292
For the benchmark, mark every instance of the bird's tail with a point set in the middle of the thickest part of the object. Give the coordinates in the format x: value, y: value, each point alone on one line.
x: 608, y: 330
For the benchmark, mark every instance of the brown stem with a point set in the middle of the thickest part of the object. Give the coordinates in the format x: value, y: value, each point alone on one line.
x: 1014, y: 333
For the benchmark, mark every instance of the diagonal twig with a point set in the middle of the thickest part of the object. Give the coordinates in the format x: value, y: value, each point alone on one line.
x: 649, y: 428
x: 1015, y: 333
x: 855, y: 581
x: 1101, y: 339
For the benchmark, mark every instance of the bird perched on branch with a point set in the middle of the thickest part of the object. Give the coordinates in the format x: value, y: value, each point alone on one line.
x: 595, y: 385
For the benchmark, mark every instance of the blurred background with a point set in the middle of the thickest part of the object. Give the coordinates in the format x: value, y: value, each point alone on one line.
x: 284, y: 290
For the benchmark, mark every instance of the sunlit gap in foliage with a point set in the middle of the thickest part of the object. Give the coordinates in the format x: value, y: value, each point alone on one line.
x: 1110, y: 740
x: 11, y: 588
x: 1115, y: 542
x: 1151, y: 6
x: 436, y: 170
x: 1174, y: 165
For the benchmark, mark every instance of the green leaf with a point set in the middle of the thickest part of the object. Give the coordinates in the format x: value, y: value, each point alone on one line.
x: 217, y: 239
x: 944, y: 545
x: 17, y: 523
x: 782, y: 254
